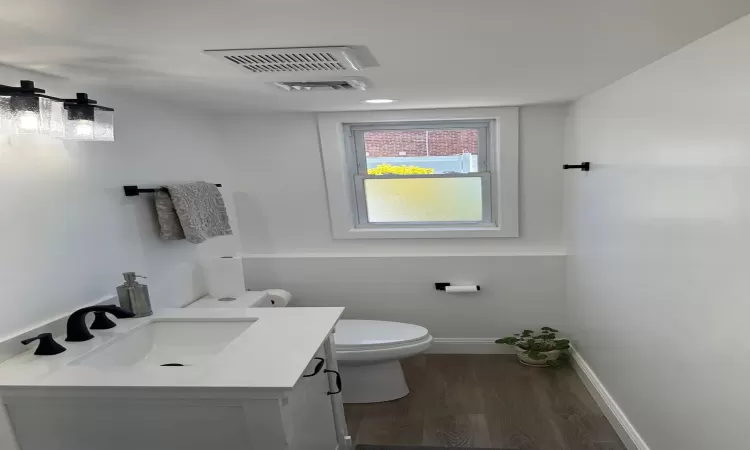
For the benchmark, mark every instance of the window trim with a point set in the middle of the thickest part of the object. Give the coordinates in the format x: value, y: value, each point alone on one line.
x: 357, y: 163
x: 502, y: 163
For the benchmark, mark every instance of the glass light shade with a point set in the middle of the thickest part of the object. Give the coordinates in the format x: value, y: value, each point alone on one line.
x: 419, y: 200
x: 80, y: 130
x: 5, y: 116
x: 100, y: 129
x: 31, y: 115
x: 104, y: 125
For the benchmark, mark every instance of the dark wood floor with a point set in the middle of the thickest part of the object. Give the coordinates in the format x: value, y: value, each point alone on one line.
x: 486, y: 401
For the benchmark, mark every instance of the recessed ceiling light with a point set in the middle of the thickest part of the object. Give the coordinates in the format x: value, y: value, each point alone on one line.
x: 380, y: 100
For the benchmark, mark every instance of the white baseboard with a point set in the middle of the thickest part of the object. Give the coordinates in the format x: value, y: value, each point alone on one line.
x: 625, y: 430
x: 473, y: 346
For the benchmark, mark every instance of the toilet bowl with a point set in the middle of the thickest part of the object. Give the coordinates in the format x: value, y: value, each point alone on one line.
x: 368, y: 351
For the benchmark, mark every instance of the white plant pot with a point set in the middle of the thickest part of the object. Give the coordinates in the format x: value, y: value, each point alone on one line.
x: 550, y: 355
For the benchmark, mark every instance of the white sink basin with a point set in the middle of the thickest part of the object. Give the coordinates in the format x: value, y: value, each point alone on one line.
x: 187, y: 342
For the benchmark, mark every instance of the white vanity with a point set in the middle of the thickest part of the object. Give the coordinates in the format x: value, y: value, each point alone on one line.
x: 234, y: 379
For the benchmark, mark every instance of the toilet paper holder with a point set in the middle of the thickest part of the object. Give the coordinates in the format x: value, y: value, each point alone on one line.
x: 442, y: 286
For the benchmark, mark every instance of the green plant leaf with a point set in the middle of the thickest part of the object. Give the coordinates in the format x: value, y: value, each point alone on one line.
x: 546, y: 329
x: 535, y: 355
x: 557, y: 363
x: 507, y: 341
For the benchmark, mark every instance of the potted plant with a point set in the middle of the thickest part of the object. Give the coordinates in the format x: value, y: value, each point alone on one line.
x: 539, y: 349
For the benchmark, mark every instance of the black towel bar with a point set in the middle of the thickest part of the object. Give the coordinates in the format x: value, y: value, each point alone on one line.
x: 131, y: 191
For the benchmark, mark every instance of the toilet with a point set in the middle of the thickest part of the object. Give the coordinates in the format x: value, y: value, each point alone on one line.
x: 368, y: 351
x: 369, y: 354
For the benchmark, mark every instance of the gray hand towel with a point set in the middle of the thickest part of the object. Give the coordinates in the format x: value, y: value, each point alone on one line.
x: 169, y: 223
x: 200, y: 209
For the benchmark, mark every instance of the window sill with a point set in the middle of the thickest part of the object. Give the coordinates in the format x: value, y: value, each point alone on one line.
x: 425, y: 233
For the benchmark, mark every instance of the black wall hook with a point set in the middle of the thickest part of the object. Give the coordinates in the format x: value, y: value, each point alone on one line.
x: 584, y: 166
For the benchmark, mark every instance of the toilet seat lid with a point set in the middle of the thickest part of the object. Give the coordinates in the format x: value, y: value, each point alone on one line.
x: 376, y: 333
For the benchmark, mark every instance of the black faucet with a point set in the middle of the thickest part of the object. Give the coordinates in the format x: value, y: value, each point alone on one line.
x: 77, y: 330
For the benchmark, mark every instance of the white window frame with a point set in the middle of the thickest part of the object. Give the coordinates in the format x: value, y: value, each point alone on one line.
x: 357, y: 158
x: 500, y: 184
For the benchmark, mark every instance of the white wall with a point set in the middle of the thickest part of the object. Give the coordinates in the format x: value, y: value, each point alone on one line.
x: 659, y: 237
x: 517, y: 292
x: 68, y: 232
x: 282, y: 205
x: 286, y: 232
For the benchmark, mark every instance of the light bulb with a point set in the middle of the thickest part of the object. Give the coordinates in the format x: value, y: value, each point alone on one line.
x: 28, y: 121
x: 84, y: 128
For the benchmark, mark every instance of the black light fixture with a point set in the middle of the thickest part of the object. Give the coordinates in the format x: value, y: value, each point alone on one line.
x: 87, y: 121
x: 28, y: 110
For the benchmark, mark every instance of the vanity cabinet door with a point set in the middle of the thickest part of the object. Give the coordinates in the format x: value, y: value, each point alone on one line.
x: 308, y: 415
x: 335, y: 397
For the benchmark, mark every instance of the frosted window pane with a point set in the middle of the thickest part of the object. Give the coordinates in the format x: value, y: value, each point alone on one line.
x: 424, y: 199
x: 419, y: 152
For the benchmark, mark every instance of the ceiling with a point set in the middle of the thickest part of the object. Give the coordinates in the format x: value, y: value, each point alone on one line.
x: 430, y: 53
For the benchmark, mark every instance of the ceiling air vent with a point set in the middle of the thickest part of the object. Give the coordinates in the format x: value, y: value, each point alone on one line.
x: 286, y: 60
x: 339, y: 85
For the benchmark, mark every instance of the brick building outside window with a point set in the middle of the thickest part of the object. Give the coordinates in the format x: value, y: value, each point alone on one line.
x: 383, y: 144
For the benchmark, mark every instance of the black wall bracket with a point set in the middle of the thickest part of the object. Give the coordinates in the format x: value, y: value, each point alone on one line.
x: 584, y: 166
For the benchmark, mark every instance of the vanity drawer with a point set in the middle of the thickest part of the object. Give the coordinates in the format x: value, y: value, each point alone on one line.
x: 62, y: 424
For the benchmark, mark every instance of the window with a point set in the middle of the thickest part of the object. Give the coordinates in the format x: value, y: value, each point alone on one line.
x: 440, y: 173
x: 421, y: 174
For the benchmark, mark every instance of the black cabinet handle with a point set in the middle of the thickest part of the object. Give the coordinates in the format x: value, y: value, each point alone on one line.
x: 318, y: 366
x: 338, y: 381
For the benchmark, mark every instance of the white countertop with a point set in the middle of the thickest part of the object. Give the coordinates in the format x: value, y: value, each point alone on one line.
x: 269, y: 356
